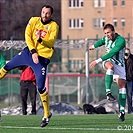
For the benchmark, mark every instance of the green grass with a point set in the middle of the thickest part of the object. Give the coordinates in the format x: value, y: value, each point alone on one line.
x: 67, y: 124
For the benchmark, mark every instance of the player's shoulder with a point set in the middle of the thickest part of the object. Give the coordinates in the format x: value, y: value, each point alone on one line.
x: 54, y: 22
x: 120, y: 38
x: 35, y: 18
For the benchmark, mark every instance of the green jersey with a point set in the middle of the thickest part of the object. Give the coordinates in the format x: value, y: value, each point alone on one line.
x: 2, y: 61
x: 115, y: 49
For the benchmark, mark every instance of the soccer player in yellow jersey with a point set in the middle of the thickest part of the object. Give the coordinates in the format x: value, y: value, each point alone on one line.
x: 40, y: 34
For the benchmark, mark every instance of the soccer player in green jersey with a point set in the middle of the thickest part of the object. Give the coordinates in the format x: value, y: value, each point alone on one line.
x: 113, y: 63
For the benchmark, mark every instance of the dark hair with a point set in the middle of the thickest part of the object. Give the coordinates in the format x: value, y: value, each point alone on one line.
x: 110, y: 26
x: 48, y: 6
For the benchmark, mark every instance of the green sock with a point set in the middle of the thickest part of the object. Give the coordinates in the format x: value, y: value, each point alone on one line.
x: 122, y: 99
x: 108, y: 82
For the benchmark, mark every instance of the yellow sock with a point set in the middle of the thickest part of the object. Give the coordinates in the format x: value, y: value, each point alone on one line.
x: 3, y: 73
x: 45, y: 102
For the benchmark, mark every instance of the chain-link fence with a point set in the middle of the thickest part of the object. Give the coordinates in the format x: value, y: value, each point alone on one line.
x: 65, y: 88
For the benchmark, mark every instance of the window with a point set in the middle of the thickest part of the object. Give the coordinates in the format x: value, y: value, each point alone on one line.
x: 99, y: 3
x: 122, y: 22
x: 99, y: 22
x: 102, y: 22
x: 76, y: 3
x: 114, y: 2
x: 115, y: 22
x: 76, y: 23
x: 123, y: 2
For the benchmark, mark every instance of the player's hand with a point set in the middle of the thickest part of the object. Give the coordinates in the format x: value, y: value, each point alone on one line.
x: 93, y: 64
x: 38, y: 34
x: 35, y: 58
x: 91, y: 47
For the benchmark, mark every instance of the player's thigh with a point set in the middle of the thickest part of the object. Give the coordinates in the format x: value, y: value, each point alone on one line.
x: 119, y: 72
x: 107, y: 65
x: 21, y: 59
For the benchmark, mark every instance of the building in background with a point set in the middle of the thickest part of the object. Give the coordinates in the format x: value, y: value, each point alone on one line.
x: 78, y: 19
x: 85, y: 18
x: 82, y: 19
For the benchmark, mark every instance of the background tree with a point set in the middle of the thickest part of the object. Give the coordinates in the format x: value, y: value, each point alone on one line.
x: 14, y: 16
x: 16, y: 13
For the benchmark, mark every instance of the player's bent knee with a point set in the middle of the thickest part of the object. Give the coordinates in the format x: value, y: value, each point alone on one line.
x: 41, y: 91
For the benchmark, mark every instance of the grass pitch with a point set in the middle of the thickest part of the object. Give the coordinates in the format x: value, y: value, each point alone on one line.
x: 107, y: 123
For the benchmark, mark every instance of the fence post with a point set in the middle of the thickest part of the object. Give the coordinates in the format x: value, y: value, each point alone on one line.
x: 79, y: 91
x: 87, y: 70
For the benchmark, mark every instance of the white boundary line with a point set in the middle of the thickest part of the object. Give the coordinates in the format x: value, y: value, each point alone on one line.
x: 50, y: 128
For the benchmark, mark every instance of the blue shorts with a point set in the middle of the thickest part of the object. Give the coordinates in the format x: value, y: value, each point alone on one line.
x: 24, y: 58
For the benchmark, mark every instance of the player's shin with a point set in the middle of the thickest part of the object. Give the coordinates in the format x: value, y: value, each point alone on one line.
x: 3, y: 73
x: 122, y: 99
x: 45, y: 102
x: 108, y: 80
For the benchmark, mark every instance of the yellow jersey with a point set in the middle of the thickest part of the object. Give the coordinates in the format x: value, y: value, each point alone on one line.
x: 49, y: 32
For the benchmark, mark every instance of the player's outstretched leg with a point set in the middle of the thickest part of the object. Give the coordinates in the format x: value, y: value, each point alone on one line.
x: 47, y: 114
x: 3, y: 73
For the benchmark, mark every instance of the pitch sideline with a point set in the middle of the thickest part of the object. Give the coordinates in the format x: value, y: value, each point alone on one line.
x: 50, y: 128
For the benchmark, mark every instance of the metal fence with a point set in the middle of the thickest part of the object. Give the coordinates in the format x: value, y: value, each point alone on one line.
x: 62, y: 87
x: 70, y: 89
